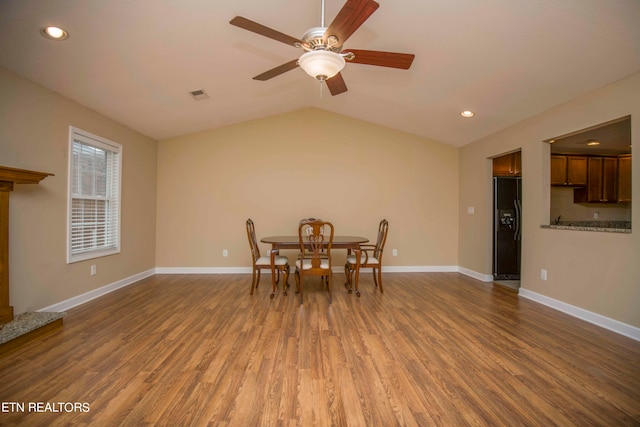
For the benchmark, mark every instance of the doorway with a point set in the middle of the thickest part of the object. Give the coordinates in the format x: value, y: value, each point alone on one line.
x: 507, y: 219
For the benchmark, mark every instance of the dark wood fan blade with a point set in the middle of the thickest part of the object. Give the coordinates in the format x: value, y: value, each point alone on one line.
x: 274, y: 72
x: 250, y: 25
x: 336, y: 84
x: 348, y: 20
x: 382, y: 59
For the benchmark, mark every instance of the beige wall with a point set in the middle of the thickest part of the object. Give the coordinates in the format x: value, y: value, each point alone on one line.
x: 597, y: 272
x: 561, y: 199
x: 309, y: 163
x: 34, y: 134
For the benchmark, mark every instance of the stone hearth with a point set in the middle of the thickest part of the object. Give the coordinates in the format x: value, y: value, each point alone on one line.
x: 26, y: 323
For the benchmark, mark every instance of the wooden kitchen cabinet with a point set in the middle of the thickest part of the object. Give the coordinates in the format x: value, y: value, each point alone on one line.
x: 508, y: 165
x: 576, y: 170
x: 569, y: 170
x: 558, y: 170
x: 624, y: 178
x: 602, y: 182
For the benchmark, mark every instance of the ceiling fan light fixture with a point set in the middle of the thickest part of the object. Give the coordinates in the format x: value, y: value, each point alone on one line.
x: 321, y: 64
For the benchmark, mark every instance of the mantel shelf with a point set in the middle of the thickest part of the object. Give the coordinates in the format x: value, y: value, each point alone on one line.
x: 22, y: 176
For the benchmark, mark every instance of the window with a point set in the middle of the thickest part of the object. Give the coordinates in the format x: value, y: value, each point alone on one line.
x: 94, y: 196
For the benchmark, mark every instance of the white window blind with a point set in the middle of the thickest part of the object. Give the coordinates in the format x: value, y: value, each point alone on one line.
x: 94, y: 196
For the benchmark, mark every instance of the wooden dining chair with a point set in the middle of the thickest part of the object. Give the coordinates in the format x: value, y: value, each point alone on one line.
x: 315, y: 237
x: 274, y: 262
x: 371, y: 257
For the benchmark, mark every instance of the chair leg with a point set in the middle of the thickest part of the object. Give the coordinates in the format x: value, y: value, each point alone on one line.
x: 357, y: 279
x: 375, y: 279
x: 348, y: 273
x: 285, y: 286
x: 274, y: 281
x: 253, y: 281
x: 380, y: 278
x: 329, y: 284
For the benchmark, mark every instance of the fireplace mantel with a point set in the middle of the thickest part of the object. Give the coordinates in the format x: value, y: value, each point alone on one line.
x: 21, y: 176
x: 9, y: 177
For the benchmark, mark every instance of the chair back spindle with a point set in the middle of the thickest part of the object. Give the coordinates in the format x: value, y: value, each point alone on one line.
x: 316, y: 238
x: 383, y: 230
x: 253, y: 241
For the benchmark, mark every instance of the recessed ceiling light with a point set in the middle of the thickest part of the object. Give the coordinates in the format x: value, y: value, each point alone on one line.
x: 467, y: 113
x: 592, y: 143
x: 54, y: 33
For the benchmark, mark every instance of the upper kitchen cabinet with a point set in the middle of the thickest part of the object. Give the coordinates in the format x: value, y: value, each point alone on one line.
x: 624, y: 178
x: 602, y: 182
x: 508, y: 165
x: 569, y: 170
x: 558, y: 170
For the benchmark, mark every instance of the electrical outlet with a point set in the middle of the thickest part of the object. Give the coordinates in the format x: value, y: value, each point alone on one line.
x: 471, y: 210
x: 94, y: 270
x: 596, y: 215
x: 543, y: 274
x: 395, y: 252
x: 225, y: 252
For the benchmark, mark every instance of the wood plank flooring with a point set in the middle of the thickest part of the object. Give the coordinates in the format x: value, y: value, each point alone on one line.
x: 434, y: 349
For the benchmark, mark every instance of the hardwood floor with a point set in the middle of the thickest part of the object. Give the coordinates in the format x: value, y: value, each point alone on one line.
x: 434, y: 349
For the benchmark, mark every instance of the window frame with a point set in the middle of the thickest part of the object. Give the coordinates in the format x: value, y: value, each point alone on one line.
x: 112, y: 217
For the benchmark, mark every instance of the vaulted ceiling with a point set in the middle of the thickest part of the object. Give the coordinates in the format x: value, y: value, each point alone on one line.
x: 136, y: 61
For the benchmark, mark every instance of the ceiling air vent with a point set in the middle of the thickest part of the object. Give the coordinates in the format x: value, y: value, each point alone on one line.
x: 199, y: 94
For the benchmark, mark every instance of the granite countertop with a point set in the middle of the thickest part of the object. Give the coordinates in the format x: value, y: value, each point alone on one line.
x: 603, y: 226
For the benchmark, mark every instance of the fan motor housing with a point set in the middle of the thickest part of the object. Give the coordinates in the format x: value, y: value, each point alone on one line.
x: 314, y: 40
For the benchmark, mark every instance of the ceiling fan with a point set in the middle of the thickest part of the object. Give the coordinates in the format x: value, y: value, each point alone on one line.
x: 324, y: 56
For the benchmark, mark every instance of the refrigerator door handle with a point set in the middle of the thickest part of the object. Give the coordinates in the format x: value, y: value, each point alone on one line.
x: 516, y: 204
x: 496, y: 221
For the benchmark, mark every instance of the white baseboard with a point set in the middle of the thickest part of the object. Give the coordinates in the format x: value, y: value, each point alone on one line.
x: 420, y: 269
x: 588, y: 316
x: 476, y: 275
x: 247, y: 270
x: 88, y: 296
x: 407, y: 269
x: 204, y: 270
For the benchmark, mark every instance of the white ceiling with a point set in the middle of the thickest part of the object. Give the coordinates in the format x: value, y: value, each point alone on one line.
x: 135, y: 61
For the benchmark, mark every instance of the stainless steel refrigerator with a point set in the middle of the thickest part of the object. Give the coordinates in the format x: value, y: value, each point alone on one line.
x: 507, y: 227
